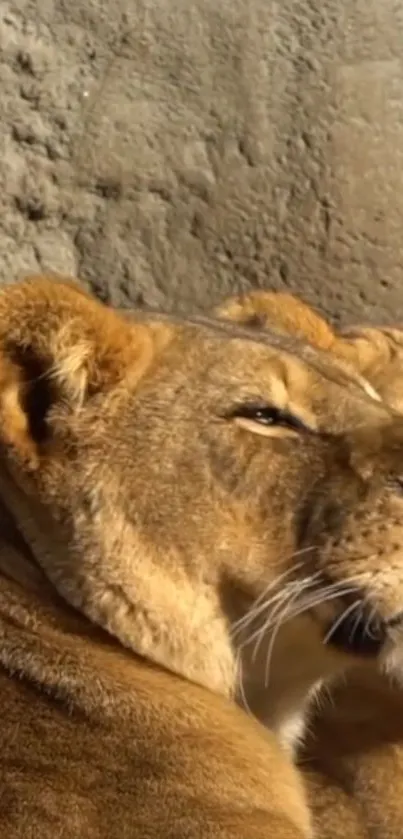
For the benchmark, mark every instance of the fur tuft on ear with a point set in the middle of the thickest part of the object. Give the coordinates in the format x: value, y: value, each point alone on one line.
x: 57, y: 344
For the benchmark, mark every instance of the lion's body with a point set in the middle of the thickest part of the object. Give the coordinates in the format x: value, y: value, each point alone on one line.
x: 95, y: 743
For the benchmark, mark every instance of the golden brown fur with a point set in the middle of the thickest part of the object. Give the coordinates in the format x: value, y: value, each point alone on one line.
x: 149, y: 514
x: 280, y: 311
x: 378, y: 353
x: 354, y: 753
x: 96, y: 744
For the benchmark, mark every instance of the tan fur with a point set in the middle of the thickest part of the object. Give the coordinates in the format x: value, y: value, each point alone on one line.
x: 353, y: 757
x: 280, y: 311
x: 145, y: 525
x: 378, y: 353
x: 289, y: 315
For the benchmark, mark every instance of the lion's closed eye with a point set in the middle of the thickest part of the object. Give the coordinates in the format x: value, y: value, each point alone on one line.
x: 268, y: 420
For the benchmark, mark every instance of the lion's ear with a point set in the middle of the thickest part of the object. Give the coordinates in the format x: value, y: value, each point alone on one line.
x: 57, y: 345
x: 281, y: 312
x: 254, y: 309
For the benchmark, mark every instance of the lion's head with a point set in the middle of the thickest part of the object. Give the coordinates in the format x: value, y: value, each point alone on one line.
x: 201, y: 491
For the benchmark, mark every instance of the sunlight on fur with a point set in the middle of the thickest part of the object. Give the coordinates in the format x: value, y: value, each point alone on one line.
x: 194, y: 513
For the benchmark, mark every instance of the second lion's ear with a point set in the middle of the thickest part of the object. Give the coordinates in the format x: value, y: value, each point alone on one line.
x: 281, y: 312
x: 253, y: 310
x: 57, y: 345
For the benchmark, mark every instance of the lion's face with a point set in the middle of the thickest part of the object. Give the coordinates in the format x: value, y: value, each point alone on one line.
x: 201, y: 491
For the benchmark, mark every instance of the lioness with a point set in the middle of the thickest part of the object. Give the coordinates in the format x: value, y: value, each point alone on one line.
x: 176, y: 496
x: 356, y: 740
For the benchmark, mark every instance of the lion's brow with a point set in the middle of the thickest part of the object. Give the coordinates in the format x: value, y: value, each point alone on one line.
x: 318, y: 360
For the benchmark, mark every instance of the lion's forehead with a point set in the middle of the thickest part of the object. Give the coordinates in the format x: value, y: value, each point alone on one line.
x: 264, y: 368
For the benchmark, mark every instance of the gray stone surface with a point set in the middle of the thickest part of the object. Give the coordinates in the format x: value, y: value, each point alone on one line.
x: 173, y: 151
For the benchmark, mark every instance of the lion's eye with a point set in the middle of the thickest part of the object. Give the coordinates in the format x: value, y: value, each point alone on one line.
x: 269, y: 416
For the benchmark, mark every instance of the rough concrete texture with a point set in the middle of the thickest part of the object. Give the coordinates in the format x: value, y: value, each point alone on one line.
x: 171, y: 152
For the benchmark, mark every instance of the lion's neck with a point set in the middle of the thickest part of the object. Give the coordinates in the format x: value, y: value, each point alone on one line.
x: 39, y: 629
x: 175, y: 627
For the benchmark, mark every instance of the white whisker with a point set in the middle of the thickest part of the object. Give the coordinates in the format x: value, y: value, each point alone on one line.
x: 285, y: 605
x: 261, y: 631
x: 285, y: 617
x: 340, y: 620
x: 270, y: 649
x: 241, y: 686
x: 322, y: 596
x: 293, y: 591
x: 259, y: 604
x: 295, y: 614
x: 356, y: 624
